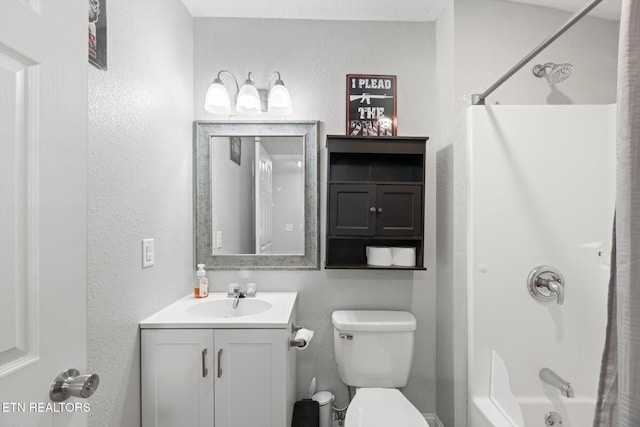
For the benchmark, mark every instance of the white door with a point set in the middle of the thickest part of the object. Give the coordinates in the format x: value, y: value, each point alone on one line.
x: 43, y: 207
x: 177, y: 377
x: 264, y: 200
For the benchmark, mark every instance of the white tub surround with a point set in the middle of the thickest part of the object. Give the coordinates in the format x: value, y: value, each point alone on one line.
x: 541, y: 187
x: 189, y: 313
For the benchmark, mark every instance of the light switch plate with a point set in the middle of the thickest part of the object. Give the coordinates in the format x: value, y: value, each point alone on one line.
x: 218, y: 239
x: 148, y: 253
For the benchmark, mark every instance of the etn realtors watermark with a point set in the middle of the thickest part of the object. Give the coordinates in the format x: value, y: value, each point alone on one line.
x: 44, y: 407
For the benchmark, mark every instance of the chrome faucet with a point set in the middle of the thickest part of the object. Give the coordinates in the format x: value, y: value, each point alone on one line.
x: 550, y: 377
x: 236, y: 296
x: 236, y: 292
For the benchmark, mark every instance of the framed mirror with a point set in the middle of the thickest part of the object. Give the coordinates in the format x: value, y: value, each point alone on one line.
x: 256, y: 195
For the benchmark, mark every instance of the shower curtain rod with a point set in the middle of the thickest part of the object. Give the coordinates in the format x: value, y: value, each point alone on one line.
x: 478, y: 99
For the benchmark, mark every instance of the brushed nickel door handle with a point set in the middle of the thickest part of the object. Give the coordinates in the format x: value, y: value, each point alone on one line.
x: 71, y: 383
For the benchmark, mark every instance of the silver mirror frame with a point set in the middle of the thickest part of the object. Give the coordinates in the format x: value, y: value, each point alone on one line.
x: 202, y: 203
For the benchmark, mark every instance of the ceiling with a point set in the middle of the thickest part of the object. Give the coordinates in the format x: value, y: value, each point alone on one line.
x: 361, y: 10
x: 608, y: 9
x: 364, y: 10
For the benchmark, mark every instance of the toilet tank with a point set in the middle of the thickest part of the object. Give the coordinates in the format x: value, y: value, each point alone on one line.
x: 373, y: 348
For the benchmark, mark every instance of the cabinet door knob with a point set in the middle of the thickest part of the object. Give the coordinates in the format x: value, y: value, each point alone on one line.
x: 373, y: 209
x: 379, y: 210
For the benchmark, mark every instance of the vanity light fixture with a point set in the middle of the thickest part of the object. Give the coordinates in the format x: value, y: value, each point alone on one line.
x: 279, y: 102
x: 247, y: 99
x: 217, y: 100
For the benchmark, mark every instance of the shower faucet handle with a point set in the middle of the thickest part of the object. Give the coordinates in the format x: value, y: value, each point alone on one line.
x: 546, y: 283
x: 557, y: 287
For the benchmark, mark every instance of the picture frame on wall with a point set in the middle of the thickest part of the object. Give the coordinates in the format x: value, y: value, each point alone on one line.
x: 371, y: 105
x: 98, y: 33
x: 235, y: 149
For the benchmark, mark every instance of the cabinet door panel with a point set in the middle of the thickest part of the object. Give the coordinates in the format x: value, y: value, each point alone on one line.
x: 251, y: 389
x: 350, y: 213
x: 175, y: 389
x: 399, y: 210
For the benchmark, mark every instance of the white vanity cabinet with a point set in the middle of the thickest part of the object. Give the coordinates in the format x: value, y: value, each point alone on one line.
x: 251, y: 377
x: 177, y: 377
x: 205, y: 363
x: 217, y: 377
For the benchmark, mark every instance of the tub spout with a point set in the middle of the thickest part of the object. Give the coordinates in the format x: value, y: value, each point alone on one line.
x: 567, y: 390
x: 550, y: 377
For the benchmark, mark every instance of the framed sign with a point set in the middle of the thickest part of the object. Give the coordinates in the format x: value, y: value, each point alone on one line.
x: 98, y: 33
x: 371, y: 105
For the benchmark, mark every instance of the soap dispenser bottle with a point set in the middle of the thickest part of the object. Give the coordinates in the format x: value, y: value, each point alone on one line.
x: 201, y: 288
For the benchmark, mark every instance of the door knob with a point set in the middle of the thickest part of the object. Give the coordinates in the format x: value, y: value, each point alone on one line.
x: 71, y: 383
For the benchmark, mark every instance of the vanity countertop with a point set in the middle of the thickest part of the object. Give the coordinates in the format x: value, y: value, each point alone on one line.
x: 216, y: 312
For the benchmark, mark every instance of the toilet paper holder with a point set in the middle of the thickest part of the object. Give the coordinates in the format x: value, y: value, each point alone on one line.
x: 294, y: 342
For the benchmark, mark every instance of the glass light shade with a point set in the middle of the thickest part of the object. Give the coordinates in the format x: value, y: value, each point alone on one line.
x: 248, y: 101
x: 217, y: 100
x: 279, y: 101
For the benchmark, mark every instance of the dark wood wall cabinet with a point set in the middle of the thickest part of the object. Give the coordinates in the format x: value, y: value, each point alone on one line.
x: 375, y: 198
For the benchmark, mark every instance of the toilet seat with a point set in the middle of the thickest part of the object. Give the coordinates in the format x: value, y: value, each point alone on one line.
x: 382, y: 407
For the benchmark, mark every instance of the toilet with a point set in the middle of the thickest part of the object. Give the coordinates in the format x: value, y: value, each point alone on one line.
x: 374, y: 350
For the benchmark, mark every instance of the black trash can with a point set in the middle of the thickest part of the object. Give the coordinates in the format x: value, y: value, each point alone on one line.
x: 306, y: 413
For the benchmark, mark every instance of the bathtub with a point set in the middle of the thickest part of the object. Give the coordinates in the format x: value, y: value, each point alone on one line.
x: 576, y: 413
x: 541, y: 192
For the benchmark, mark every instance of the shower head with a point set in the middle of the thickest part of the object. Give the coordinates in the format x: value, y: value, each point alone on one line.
x: 558, y: 72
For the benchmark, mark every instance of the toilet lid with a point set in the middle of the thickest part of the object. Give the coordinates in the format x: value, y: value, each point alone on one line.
x: 382, y: 407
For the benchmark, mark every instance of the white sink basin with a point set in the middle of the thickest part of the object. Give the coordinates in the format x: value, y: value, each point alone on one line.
x: 266, y: 310
x: 224, y: 309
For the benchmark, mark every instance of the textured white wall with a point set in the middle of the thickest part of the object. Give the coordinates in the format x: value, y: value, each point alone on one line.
x: 447, y: 326
x: 314, y: 58
x: 140, y: 114
x: 493, y: 35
